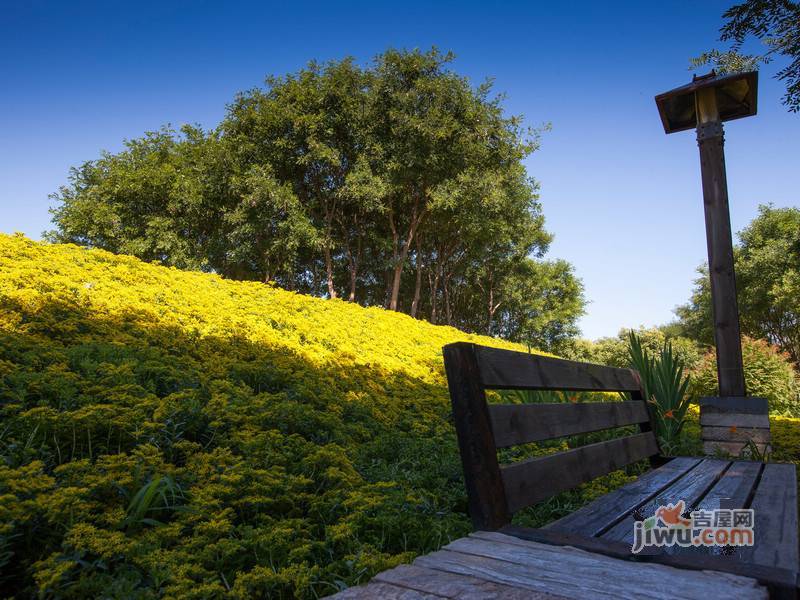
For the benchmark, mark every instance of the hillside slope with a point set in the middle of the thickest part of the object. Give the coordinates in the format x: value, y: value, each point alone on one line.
x: 169, y: 433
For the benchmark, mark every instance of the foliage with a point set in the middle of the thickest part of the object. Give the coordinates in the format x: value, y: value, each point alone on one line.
x: 156, y: 497
x: 752, y: 451
x: 397, y: 184
x: 767, y: 263
x: 665, y: 387
x: 768, y: 373
x: 777, y: 24
x: 615, y: 351
x: 548, y: 396
x: 172, y: 433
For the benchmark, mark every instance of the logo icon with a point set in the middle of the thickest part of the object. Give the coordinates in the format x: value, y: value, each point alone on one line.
x: 673, y: 525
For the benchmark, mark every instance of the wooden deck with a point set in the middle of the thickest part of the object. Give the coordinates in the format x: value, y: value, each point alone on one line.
x: 489, y: 565
x: 704, y: 484
x: 587, y: 554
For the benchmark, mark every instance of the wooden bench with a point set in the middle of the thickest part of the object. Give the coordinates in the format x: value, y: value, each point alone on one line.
x: 605, y: 526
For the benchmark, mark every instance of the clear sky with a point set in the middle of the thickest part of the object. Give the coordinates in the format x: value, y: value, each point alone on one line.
x: 622, y: 198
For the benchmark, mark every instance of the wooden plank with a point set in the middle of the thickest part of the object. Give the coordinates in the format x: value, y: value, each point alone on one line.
x: 733, y: 449
x: 577, y: 574
x: 610, y: 509
x: 724, y: 309
x: 515, y: 424
x: 750, y: 405
x: 735, y: 434
x: 734, y: 488
x: 451, y: 585
x: 506, y: 369
x: 781, y: 582
x: 717, y: 419
x: 484, y: 483
x: 690, y: 488
x: 536, y: 479
x: 775, y: 510
x: 381, y: 590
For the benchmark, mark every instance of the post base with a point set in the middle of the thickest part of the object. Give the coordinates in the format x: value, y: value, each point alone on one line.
x: 729, y: 424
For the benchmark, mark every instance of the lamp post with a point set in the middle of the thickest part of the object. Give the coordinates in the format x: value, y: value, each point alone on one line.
x: 704, y: 104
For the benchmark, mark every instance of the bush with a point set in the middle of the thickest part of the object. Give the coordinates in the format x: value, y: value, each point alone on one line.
x: 613, y: 351
x: 665, y: 387
x: 768, y: 373
x: 169, y: 433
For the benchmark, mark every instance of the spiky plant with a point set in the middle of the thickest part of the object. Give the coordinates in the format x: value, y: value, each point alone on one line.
x: 665, y: 388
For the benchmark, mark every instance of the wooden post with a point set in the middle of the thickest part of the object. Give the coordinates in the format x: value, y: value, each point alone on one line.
x: 710, y: 139
x: 486, y: 494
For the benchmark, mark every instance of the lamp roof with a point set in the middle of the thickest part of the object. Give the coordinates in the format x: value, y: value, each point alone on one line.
x: 736, y: 95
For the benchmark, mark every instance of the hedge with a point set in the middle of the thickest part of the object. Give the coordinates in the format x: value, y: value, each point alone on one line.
x: 173, y: 434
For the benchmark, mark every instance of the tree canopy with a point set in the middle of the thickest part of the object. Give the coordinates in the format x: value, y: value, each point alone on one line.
x: 396, y: 184
x: 777, y: 24
x: 767, y: 263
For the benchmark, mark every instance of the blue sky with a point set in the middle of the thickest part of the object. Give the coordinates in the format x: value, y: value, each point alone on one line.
x: 622, y: 198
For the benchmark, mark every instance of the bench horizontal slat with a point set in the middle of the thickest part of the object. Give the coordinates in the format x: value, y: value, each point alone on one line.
x: 514, y: 424
x: 610, y: 509
x: 733, y: 490
x: 506, y: 369
x: 537, y: 479
x: 775, y: 510
x: 690, y: 488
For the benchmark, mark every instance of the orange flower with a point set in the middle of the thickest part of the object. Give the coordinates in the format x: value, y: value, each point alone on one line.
x: 669, y: 415
x: 573, y: 398
x: 733, y: 429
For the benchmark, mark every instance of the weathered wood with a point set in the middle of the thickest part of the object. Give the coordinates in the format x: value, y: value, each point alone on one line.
x: 734, y: 488
x: 450, y: 585
x: 608, y: 510
x: 732, y: 449
x: 735, y: 434
x: 515, y: 424
x: 725, y: 311
x: 578, y: 574
x: 775, y: 509
x: 720, y: 419
x: 382, y: 590
x: 690, y: 488
x: 536, y: 479
x: 750, y: 405
x: 484, y: 483
x: 506, y: 369
x: 781, y: 582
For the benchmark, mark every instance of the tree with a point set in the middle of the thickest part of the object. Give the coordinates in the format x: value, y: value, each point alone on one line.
x: 777, y: 24
x: 768, y: 373
x: 767, y: 262
x: 396, y: 184
x: 539, y: 303
x: 615, y: 351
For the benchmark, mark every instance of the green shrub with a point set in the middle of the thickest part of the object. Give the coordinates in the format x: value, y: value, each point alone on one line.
x: 174, y: 434
x: 665, y: 387
x: 767, y: 373
x: 613, y: 351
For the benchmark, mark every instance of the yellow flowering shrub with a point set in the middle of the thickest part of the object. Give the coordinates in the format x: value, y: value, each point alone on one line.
x: 173, y: 434
x: 170, y: 433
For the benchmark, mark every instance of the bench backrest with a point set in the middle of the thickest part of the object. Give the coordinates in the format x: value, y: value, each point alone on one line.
x: 496, y: 492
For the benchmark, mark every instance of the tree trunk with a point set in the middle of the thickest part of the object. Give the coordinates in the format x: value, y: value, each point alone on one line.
x: 492, y: 306
x: 491, y: 312
x: 418, y: 284
x: 353, y: 260
x: 448, y: 309
x: 400, y: 252
x: 329, y: 272
x: 434, y: 285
